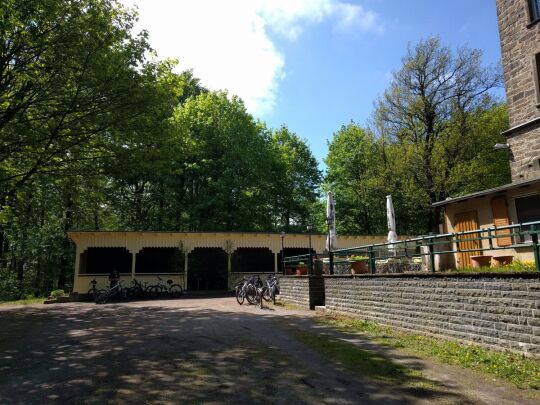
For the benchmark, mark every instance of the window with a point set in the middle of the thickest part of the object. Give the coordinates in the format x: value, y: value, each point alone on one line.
x: 528, y: 210
x: 537, y: 67
x: 534, y: 9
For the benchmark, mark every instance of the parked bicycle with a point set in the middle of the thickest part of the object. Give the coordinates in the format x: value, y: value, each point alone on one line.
x: 117, y: 292
x: 92, y: 292
x: 165, y: 289
x: 137, y: 290
x: 244, y: 291
x: 271, y: 289
x: 253, y: 290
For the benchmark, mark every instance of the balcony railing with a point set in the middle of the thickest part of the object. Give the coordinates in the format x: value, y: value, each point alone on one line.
x: 411, y: 250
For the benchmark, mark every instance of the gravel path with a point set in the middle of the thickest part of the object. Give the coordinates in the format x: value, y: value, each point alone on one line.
x: 197, y: 351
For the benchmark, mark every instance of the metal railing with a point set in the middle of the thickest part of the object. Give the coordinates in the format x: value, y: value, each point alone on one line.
x: 439, y: 244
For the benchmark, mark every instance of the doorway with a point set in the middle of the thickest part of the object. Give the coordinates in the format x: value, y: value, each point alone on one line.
x: 207, y: 269
x: 467, y: 221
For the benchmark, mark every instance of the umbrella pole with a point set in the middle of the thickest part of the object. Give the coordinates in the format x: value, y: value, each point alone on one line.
x: 330, y: 253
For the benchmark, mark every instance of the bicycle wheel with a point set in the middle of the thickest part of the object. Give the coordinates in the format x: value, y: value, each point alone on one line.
x: 154, y: 291
x: 102, y: 297
x: 251, y: 294
x: 91, y: 294
x: 239, y: 295
x: 131, y: 293
x: 266, y: 294
x: 175, y: 291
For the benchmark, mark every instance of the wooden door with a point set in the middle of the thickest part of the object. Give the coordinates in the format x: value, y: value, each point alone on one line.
x: 467, y: 221
x: 500, y: 218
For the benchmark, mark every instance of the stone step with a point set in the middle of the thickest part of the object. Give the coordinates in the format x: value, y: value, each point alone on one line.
x: 320, y: 308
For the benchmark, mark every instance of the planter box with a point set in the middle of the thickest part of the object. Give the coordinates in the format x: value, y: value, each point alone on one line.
x: 359, y: 267
x: 502, y: 260
x: 481, y: 261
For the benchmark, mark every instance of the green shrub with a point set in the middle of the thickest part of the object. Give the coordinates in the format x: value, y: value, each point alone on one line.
x: 358, y: 258
x: 57, y: 293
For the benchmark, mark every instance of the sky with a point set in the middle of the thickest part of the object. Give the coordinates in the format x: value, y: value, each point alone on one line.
x: 313, y: 65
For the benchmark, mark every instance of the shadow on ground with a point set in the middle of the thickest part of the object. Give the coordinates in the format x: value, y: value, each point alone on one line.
x: 158, y: 354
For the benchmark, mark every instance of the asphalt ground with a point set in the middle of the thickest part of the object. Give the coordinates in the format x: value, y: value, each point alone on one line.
x: 204, y: 350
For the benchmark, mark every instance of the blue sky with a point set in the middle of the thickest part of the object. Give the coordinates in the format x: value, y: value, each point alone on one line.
x: 312, y: 65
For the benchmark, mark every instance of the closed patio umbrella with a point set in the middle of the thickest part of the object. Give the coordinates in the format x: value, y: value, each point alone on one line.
x: 331, y: 221
x: 391, y: 217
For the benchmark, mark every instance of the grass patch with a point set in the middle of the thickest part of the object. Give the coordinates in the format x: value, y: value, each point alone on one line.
x: 26, y: 301
x: 518, y: 369
x: 363, y: 362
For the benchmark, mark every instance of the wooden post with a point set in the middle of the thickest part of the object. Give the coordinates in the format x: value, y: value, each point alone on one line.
x: 534, y: 236
x: 133, y: 259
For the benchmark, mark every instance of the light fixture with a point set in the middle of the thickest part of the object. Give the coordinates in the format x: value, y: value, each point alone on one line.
x: 501, y: 146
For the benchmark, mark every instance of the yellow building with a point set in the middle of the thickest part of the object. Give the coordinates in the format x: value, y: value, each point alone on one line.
x: 195, y: 260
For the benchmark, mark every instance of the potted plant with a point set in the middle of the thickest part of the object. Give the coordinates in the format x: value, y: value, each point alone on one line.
x: 301, y: 269
x: 359, y: 264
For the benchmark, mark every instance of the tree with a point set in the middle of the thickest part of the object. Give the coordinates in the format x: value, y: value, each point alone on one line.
x: 356, y: 174
x: 69, y: 73
x: 71, y: 77
x: 223, y: 172
x: 296, y: 179
x: 427, y: 110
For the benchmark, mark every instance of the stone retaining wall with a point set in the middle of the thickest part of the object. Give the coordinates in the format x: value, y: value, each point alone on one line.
x: 304, y: 291
x: 497, y: 311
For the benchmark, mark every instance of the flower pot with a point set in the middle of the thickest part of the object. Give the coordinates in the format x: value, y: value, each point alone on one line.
x: 359, y: 267
x: 301, y: 270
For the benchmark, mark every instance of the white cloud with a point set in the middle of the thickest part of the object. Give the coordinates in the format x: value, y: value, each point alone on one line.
x: 227, y: 43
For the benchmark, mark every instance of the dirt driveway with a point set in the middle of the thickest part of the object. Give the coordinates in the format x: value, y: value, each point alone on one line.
x: 195, y: 351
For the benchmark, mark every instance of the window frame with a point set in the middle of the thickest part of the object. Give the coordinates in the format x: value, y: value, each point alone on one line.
x: 536, y: 75
x: 523, y: 239
x: 533, y: 8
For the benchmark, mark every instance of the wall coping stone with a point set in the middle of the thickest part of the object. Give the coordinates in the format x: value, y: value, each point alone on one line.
x: 515, y: 275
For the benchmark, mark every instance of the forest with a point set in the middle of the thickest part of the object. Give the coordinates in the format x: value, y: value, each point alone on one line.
x: 97, y: 134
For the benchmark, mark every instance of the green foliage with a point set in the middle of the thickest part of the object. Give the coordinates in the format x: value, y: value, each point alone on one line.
x: 295, y: 181
x: 357, y: 258
x: 517, y: 266
x: 432, y: 136
x: 27, y: 301
x: 435, y: 113
x: 356, y: 176
x: 57, y: 293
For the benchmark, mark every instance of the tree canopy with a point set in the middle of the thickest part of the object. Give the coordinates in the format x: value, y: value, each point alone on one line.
x: 431, y: 137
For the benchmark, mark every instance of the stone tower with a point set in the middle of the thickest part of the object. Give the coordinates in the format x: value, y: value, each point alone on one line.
x: 519, y: 30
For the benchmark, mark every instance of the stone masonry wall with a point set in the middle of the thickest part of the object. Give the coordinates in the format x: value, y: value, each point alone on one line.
x: 525, y: 147
x: 294, y: 290
x: 520, y: 42
x: 496, y: 311
x: 304, y: 291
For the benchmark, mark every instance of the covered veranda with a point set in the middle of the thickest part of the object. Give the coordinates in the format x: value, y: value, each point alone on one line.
x: 203, y: 261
